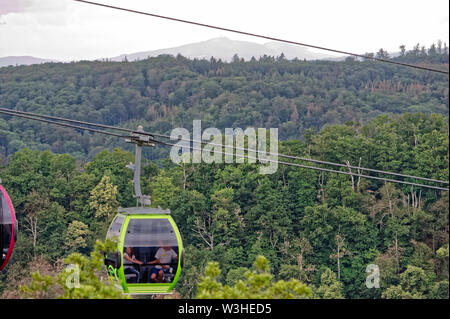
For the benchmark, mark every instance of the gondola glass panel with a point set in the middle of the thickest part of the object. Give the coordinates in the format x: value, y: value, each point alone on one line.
x: 154, y: 243
x: 8, y: 227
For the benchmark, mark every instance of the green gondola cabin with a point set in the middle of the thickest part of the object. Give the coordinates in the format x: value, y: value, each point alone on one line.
x: 149, y: 253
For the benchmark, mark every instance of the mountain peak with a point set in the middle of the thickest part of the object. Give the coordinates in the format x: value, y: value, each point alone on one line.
x: 220, y: 48
x: 224, y: 48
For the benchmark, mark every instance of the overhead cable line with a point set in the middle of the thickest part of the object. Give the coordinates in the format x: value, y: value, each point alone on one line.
x: 13, y: 113
x: 264, y: 37
x: 3, y: 110
x: 226, y: 146
x: 310, y: 167
x: 307, y: 159
x: 61, y: 124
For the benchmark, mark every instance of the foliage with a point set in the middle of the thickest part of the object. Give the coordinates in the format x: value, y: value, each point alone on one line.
x: 330, y: 287
x: 103, y: 199
x: 229, y: 213
x: 86, y: 284
x: 257, y: 285
x: 165, y: 92
x: 414, y: 284
x: 76, y: 235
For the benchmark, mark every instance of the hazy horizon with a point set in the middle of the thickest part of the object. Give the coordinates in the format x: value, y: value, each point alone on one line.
x: 69, y: 31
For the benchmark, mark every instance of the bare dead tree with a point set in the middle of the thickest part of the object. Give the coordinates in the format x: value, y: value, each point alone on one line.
x: 340, y: 252
x: 204, y: 230
x: 354, y: 188
x: 305, y: 248
x: 321, y: 191
x: 300, y: 248
x: 359, y: 176
x: 395, y: 252
x: 186, y: 172
x: 31, y: 225
x: 201, y: 230
x: 350, y: 171
x: 415, y: 201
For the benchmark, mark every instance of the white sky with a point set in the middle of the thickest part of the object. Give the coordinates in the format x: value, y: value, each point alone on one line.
x: 68, y: 30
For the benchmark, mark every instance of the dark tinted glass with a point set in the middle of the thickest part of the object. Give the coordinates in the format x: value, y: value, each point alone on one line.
x: 150, y: 233
x: 5, y: 239
x: 143, y: 239
x: 5, y: 228
x: 5, y: 214
x: 1, y: 207
x: 116, y: 226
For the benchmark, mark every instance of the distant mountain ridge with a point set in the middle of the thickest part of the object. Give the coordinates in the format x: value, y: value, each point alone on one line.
x: 219, y: 48
x: 224, y: 49
x: 23, y: 60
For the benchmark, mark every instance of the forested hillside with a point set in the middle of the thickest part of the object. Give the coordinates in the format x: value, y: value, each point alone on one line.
x: 230, y: 213
x: 321, y: 228
x: 167, y: 92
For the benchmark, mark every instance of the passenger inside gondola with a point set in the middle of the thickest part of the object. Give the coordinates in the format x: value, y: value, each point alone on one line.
x: 129, y: 260
x: 164, y: 258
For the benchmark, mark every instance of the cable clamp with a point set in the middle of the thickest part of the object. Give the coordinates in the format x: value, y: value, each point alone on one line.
x: 141, y: 140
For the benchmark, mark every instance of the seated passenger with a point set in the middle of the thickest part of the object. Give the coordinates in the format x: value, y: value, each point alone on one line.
x: 163, y: 256
x: 129, y: 269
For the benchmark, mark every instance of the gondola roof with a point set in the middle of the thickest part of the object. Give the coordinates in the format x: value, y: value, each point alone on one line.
x: 143, y: 211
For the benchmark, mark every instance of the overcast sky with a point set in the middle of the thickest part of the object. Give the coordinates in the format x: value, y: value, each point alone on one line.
x: 68, y: 30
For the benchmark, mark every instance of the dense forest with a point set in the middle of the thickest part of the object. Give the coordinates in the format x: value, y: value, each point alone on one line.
x: 230, y: 213
x: 166, y: 92
x: 322, y: 229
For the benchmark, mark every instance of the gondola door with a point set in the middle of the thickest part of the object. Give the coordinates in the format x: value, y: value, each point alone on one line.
x: 154, y: 243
